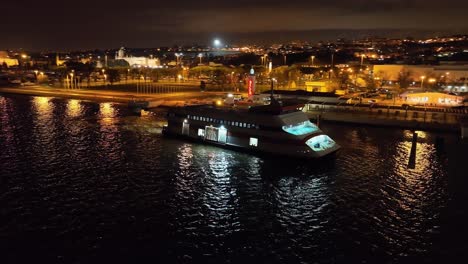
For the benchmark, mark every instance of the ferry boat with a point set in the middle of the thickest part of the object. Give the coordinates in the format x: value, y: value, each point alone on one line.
x: 272, y: 129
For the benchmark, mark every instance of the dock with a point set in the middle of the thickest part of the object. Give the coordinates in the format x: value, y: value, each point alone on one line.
x: 419, y: 119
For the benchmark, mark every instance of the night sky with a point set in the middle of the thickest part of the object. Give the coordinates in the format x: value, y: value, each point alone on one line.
x: 87, y: 24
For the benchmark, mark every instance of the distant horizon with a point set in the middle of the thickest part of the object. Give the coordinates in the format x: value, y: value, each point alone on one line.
x: 252, y: 38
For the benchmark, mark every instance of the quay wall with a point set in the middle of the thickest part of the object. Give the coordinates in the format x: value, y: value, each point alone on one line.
x: 408, y: 119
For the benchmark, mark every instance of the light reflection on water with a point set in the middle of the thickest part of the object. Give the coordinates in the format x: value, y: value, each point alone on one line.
x: 73, y: 108
x: 108, y: 181
x: 43, y: 107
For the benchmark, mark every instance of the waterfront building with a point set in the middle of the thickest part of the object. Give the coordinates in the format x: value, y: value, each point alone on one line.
x: 323, y: 85
x: 452, y: 78
x: 5, y: 59
x: 58, y: 61
x: 433, y: 99
x: 391, y: 72
x: 137, y: 61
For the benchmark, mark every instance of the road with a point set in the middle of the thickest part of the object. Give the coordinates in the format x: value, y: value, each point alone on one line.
x: 114, y: 96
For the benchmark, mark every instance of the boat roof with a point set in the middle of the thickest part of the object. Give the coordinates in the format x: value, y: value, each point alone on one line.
x: 266, y: 115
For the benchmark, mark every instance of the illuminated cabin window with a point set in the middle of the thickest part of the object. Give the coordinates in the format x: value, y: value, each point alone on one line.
x: 211, y: 133
x: 321, y: 142
x: 222, y: 134
x: 253, y: 142
x: 201, y: 132
x: 301, y: 128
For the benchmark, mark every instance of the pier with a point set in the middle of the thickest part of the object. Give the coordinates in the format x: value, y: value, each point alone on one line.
x: 449, y: 120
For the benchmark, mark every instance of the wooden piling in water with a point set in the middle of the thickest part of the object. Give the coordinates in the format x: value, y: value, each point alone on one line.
x: 412, y: 157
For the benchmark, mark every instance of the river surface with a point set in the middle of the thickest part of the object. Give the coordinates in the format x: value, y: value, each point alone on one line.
x: 84, y: 182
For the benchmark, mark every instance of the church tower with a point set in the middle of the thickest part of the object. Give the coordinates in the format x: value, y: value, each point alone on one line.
x: 120, y: 54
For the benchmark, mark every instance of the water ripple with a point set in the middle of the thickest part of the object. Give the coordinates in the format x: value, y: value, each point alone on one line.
x: 82, y: 181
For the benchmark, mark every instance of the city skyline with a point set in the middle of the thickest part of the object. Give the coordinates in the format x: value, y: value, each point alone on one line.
x: 56, y: 25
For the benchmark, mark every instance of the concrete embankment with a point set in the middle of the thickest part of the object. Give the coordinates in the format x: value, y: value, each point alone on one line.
x: 419, y: 121
x: 112, y: 96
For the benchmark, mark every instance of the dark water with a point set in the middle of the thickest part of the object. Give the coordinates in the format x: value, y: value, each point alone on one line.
x: 84, y: 182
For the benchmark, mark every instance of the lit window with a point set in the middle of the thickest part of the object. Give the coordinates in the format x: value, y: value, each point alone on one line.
x: 253, y: 142
x: 201, y: 132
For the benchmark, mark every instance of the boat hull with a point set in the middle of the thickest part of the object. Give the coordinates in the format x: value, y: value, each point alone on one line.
x: 277, y: 151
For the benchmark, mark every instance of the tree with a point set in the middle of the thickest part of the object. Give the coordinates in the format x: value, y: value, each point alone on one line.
x: 404, y: 79
x: 293, y: 76
x: 113, y: 75
x: 343, y: 78
x: 382, y: 77
x: 281, y: 75
x: 118, y: 63
x: 370, y: 82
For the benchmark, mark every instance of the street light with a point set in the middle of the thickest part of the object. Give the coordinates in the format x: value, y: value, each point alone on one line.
x: 178, y: 55
x: 362, y: 61
x: 312, y: 57
x: 432, y: 80
x: 36, y: 72
x: 71, y: 80
x: 422, y: 81
x: 217, y: 43
x: 200, y: 56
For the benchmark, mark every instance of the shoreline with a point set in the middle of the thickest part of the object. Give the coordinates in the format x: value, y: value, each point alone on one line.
x: 108, y: 95
x: 181, y: 98
x: 382, y: 121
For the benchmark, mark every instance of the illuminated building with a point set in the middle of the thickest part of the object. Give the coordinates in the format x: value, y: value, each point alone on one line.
x: 137, y: 61
x: 58, y: 61
x: 433, y: 99
x: 5, y: 59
